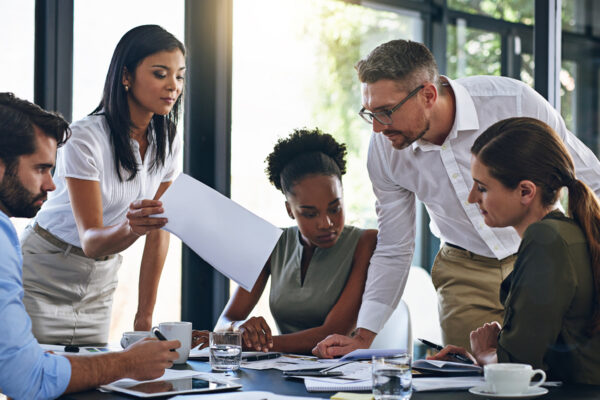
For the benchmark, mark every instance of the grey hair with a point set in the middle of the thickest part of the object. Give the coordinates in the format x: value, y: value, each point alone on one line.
x: 409, y: 63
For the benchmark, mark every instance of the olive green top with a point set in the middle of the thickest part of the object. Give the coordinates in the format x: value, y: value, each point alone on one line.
x: 296, y: 306
x: 548, y: 301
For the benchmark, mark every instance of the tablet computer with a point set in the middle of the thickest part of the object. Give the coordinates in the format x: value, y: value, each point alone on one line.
x: 171, y: 387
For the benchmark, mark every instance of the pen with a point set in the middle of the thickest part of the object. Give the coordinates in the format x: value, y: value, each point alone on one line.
x: 160, y: 336
x: 459, y: 357
x: 258, y: 357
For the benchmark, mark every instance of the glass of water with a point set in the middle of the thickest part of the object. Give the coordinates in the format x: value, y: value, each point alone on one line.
x: 392, y: 377
x: 225, y: 350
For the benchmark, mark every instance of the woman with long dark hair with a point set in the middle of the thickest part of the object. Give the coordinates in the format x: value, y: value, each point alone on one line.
x: 109, y: 177
x: 552, y: 320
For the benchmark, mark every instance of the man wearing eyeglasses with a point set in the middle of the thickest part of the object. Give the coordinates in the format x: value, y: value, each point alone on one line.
x: 423, y: 128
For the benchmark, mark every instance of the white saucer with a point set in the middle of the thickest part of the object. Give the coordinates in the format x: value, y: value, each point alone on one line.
x: 531, y: 393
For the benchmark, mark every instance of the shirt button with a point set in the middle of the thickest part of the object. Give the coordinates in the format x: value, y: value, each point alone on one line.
x: 466, y: 202
x: 496, y: 247
x: 443, y: 147
x: 454, y: 175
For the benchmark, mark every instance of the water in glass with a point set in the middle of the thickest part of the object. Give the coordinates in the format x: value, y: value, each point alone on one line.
x: 225, y: 357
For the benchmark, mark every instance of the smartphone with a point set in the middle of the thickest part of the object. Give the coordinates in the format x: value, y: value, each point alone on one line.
x: 312, y: 372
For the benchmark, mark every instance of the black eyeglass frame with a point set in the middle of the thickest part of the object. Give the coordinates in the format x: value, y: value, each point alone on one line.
x: 369, y: 116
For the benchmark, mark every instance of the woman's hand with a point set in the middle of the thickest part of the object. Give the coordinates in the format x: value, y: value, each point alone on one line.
x: 446, y: 354
x: 142, y: 321
x: 484, y: 342
x: 256, y: 334
x: 200, y: 338
x: 139, y: 216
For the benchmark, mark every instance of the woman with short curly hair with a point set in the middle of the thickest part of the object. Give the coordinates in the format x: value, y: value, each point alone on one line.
x: 319, y: 267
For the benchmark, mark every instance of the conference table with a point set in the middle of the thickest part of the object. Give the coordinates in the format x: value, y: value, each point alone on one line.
x: 273, y: 381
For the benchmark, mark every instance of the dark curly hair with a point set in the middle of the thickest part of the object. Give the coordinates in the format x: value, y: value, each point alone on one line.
x: 305, y: 152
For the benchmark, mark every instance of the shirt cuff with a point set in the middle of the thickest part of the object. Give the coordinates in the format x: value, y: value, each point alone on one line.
x: 373, y: 315
x: 63, y: 372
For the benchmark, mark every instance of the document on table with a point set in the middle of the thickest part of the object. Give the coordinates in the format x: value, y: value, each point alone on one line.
x: 449, y: 383
x: 233, y: 240
x: 83, y: 350
x: 250, y: 395
x: 169, y: 374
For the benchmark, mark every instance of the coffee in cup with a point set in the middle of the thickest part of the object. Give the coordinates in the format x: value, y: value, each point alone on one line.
x: 511, y: 379
x: 130, y: 338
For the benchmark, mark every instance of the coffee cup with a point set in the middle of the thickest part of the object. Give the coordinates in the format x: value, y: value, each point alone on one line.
x: 130, y: 338
x: 511, y: 379
x: 181, y: 331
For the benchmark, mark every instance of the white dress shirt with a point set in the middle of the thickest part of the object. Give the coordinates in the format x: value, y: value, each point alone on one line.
x: 88, y: 155
x: 440, y: 177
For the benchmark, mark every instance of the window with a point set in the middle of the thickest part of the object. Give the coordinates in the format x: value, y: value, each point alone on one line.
x: 17, y: 23
x: 98, y: 26
x: 293, y: 67
x: 509, y: 10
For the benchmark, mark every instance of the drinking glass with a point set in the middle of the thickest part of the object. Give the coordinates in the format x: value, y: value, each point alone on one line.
x: 225, y: 350
x: 392, y: 377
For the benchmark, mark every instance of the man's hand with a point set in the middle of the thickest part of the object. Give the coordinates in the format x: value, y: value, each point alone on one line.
x: 339, y: 345
x: 148, y: 358
x: 484, y: 342
x: 446, y: 354
x: 256, y: 334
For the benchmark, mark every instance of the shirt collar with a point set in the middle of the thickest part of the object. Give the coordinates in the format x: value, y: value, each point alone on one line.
x: 465, y: 118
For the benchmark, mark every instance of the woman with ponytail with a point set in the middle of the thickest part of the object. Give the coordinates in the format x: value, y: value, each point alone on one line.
x: 552, y: 318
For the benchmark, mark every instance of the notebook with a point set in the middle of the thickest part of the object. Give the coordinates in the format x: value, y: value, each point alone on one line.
x: 368, y: 354
x: 446, y: 368
x: 318, y: 385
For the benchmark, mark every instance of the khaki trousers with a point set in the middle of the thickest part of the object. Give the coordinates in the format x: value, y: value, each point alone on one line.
x: 68, y: 296
x: 468, y: 288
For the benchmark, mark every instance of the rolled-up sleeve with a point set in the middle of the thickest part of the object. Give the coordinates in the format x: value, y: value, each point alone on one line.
x: 390, y: 263
x: 26, y: 371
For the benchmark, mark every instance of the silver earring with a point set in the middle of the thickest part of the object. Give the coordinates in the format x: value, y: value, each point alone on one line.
x: 126, y: 88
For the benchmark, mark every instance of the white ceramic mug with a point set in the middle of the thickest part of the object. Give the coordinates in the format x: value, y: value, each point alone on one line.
x: 181, y: 331
x: 511, y: 379
x: 130, y: 338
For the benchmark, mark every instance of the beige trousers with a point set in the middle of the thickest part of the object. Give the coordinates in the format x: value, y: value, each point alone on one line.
x: 68, y: 296
x: 468, y: 288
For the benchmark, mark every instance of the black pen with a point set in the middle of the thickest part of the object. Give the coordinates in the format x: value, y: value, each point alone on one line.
x: 258, y: 357
x: 459, y: 357
x: 160, y: 336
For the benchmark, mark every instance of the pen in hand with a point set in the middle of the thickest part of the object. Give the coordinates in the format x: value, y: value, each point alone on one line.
x: 160, y: 336
x: 438, y: 347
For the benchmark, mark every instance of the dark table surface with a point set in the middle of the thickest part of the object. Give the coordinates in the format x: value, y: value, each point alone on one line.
x: 273, y: 381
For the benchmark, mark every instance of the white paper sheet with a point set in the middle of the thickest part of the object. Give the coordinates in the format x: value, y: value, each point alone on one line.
x: 226, y: 235
x: 169, y: 374
x: 450, y: 383
x: 250, y: 395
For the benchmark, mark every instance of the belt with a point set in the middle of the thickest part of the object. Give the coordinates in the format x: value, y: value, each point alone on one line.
x: 68, y: 248
x: 460, y: 248
x: 455, y: 246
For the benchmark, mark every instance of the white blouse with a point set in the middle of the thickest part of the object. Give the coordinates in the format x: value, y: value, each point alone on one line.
x: 88, y: 155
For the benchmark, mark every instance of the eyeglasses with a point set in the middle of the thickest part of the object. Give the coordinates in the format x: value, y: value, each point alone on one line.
x: 385, y: 117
